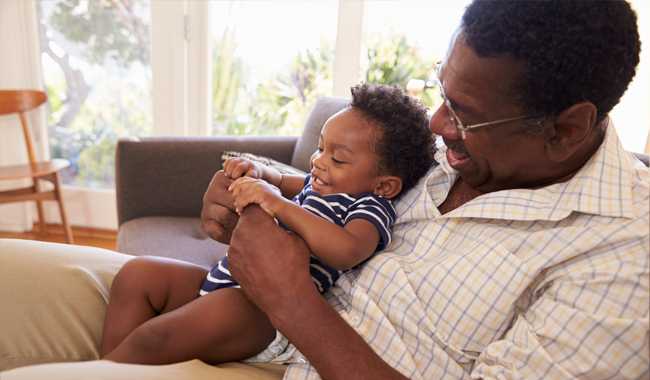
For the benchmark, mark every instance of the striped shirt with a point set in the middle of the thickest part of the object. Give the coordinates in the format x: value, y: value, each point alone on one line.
x: 337, y: 208
x: 550, y: 283
x: 340, y: 209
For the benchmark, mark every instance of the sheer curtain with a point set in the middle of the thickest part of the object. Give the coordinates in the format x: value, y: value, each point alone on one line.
x: 19, y: 68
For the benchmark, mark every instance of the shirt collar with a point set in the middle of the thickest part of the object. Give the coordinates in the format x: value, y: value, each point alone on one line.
x: 603, y: 186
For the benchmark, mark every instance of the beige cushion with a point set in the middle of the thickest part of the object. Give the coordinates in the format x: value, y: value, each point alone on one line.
x: 53, y: 300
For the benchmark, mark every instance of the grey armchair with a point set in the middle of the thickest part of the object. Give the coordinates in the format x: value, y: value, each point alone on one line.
x: 160, y: 183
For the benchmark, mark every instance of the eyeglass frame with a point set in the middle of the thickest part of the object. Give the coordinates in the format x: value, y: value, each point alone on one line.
x: 453, y: 117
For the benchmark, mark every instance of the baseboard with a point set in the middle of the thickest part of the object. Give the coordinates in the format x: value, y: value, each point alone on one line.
x: 57, y: 229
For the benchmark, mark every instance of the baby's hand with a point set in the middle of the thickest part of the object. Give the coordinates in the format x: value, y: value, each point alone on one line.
x: 247, y: 190
x: 238, y: 167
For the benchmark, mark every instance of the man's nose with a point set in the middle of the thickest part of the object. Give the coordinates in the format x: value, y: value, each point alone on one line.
x: 442, y: 125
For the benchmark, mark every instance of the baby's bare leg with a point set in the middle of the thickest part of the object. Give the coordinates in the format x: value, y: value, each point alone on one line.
x: 144, y: 288
x: 218, y: 327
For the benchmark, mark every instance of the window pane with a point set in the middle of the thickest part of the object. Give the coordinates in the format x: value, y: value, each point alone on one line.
x: 271, y: 60
x: 403, y: 39
x: 95, y: 57
x: 632, y: 115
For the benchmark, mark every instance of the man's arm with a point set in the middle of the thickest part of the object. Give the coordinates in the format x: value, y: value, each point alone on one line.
x: 283, y: 289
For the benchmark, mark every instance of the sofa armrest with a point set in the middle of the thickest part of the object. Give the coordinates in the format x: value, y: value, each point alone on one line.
x: 167, y: 176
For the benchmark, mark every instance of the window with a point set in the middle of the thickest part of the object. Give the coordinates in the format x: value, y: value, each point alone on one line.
x: 632, y: 115
x: 270, y: 61
x: 234, y: 67
x: 96, y: 69
x: 403, y: 40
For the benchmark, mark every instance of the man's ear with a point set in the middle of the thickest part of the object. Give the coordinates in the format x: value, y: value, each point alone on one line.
x: 388, y: 186
x: 570, y: 131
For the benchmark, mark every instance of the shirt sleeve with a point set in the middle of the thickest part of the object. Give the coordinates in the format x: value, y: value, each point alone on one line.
x: 300, y: 197
x: 589, y: 323
x: 379, y: 212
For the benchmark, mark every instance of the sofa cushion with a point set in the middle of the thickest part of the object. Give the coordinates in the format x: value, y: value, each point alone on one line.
x: 307, y: 143
x: 177, y: 237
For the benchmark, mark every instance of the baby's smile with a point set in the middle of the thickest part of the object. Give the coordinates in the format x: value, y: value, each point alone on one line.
x: 317, y: 183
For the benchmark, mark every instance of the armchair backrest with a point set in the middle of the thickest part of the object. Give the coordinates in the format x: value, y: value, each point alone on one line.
x: 307, y: 143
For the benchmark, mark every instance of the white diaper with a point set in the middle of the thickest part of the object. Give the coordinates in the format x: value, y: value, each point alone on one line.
x: 279, y: 351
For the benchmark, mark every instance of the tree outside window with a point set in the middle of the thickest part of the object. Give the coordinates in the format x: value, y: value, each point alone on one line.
x: 96, y: 64
x: 96, y: 59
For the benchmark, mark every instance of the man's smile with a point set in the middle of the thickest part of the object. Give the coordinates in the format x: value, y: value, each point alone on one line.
x: 456, y: 154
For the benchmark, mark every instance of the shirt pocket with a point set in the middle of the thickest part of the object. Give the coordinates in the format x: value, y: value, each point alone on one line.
x: 470, y: 297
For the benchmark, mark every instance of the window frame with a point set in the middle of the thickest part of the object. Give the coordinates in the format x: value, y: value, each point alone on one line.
x: 181, y: 100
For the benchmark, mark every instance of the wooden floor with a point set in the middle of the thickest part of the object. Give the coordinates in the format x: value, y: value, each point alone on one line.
x: 81, y: 236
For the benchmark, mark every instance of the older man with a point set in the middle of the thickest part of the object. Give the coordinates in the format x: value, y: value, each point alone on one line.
x: 524, y: 254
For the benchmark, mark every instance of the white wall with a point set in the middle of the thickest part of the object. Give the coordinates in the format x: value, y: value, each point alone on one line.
x: 20, y: 68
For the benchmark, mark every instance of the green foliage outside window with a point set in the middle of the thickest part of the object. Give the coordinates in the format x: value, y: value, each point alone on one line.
x: 115, y: 34
x: 279, y: 105
x: 394, y: 61
x: 274, y: 107
x: 79, y: 37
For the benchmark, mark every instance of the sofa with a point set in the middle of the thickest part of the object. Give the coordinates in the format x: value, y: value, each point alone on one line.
x: 160, y: 183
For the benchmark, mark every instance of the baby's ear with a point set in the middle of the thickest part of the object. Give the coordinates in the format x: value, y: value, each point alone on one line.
x: 388, y: 186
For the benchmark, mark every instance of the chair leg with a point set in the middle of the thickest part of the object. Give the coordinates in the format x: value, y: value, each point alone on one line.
x: 39, y: 208
x: 64, y: 219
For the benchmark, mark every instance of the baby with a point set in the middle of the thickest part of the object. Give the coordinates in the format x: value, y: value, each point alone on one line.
x: 368, y: 154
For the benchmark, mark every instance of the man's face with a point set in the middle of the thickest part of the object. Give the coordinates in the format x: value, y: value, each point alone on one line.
x: 495, y: 157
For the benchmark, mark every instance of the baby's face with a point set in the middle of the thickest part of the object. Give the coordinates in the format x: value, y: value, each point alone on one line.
x: 345, y: 161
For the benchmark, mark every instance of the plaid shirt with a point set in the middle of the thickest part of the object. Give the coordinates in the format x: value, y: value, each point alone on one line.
x: 531, y: 284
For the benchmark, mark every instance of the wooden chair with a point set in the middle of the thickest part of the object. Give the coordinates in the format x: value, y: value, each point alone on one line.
x: 19, y: 102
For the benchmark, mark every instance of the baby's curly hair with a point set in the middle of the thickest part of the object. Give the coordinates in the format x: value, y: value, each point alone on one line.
x: 573, y: 51
x: 404, y: 143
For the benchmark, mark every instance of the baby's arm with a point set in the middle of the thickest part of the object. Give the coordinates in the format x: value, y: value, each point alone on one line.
x: 289, y: 185
x: 339, y: 247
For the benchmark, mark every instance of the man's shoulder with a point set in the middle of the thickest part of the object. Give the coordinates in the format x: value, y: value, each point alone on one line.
x: 641, y: 188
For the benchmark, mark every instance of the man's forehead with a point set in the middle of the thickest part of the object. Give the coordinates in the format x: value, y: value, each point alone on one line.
x: 467, y: 73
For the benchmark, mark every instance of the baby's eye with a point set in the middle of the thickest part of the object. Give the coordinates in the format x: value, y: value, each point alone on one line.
x: 337, y: 161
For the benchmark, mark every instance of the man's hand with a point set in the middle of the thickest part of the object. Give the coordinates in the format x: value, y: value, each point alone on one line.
x: 217, y: 216
x: 270, y: 263
x: 272, y: 267
x: 247, y: 190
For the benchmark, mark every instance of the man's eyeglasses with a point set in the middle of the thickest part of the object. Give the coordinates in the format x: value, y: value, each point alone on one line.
x: 455, y: 120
